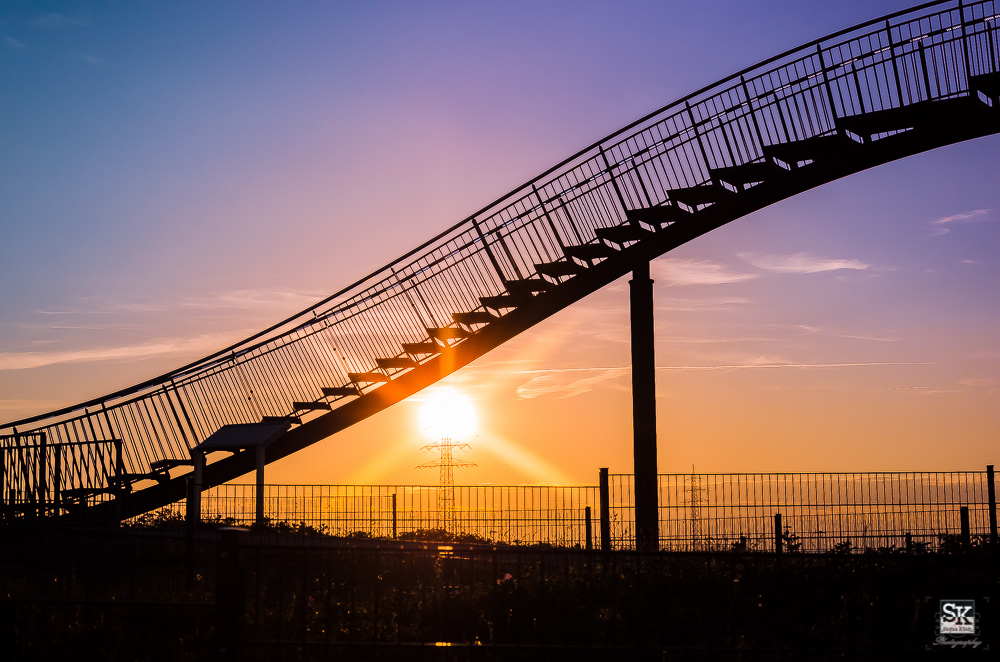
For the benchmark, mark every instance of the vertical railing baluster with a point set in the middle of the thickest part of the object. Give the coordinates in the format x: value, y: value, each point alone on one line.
x: 989, y: 40
x: 697, y: 135
x: 552, y: 226
x: 753, y: 114
x: 965, y: 43
x: 923, y: 68
x: 892, y: 59
x: 826, y: 83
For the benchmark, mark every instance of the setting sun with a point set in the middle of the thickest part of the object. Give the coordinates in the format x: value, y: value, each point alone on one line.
x: 448, y: 413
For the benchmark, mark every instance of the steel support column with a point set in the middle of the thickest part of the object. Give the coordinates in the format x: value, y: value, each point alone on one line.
x: 647, y: 537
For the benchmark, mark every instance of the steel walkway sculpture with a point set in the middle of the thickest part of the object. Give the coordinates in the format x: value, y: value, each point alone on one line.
x: 880, y: 91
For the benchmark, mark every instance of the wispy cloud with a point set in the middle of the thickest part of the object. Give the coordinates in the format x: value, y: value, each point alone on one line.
x: 673, y: 271
x: 255, y: 299
x: 801, y: 263
x: 263, y: 301
x: 693, y: 305
x: 158, y: 347
x: 978, y: 381
x: 54, y: 20
x: 873, y: 338
x: 721, y: 340
x: 571, y: 382
x: 14, y: 43
x: 567, y: 383
x: 940, y: 226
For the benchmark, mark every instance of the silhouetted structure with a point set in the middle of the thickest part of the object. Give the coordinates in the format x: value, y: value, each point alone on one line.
x: 880, y: 91
x: 694, y: 500
x: 647, y: 536
x: 446, y: 464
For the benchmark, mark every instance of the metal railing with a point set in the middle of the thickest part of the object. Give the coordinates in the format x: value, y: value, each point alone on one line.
x: 821, y: 512
x: 927, y: 53
x: 521, y: 514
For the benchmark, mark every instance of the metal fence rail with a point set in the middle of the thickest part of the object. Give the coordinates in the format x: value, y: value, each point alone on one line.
x: 522, y: 514
x: 333, y: 350
x: 821, y: 512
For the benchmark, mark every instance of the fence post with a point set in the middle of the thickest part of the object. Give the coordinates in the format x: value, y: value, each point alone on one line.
x: 991, y: 491
x: 197, y: 474
x: 589, y: 528
x: 189, y: 524
x: 259, y: 519
x: 777, y: 533
x: 393, y: 515
x: 230, y: 607
x: 605, y: 512
x: 966, y: 534
x: 909, y: 543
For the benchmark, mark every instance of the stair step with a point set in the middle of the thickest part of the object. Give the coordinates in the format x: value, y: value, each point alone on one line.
x: 366, y: 377
x: 924, y: 113
x: 528, y: 285
x: 559, y: 269
x: 447, y: 333
x: 747, y: 173
x: 397, y: 362
x: 339, y: 391
x: 659, y: 216
x: 474, y: 317
x: 121, y: 479
x: 590, y: 251
x: 620, y: 234
x: 695, y: 196
x: 310, y: 406
x: 504, y: 301
x: 988, y: 84
x: 294, y: 420
x: 817, y: 148
x: 426, y: 347
x: 84, y: 492
x: 167, y: 465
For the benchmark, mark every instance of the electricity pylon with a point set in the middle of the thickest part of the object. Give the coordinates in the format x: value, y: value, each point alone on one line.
x: 695, y: 500
x: 446, y: 480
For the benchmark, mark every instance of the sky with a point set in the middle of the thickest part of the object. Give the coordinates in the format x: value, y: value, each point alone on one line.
x: 176, y: 176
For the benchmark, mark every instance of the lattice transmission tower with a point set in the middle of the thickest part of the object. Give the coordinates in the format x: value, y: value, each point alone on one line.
x: 695, y: 500
x: 446, y: 464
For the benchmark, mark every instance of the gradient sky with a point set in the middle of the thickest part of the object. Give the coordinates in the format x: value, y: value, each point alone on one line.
x: 175, y: 176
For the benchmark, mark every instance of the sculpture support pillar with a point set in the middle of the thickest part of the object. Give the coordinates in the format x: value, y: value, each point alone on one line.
x: 647, y: 537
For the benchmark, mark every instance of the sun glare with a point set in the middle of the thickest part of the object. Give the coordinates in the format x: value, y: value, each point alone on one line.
x: 448, y: 414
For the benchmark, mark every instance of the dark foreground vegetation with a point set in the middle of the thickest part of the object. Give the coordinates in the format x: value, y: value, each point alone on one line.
x: 284, y: 593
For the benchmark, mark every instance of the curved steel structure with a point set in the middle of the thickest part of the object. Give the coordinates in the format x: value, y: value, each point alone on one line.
x: 880, y: 91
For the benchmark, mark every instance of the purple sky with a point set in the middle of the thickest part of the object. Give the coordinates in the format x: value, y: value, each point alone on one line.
x: 175, y: 177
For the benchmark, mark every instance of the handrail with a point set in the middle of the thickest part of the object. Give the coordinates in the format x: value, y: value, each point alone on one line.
x: 507, y: 196
x: 801, y: 93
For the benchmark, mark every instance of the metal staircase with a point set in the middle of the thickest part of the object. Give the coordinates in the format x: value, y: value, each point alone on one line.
x: 880, y: 91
